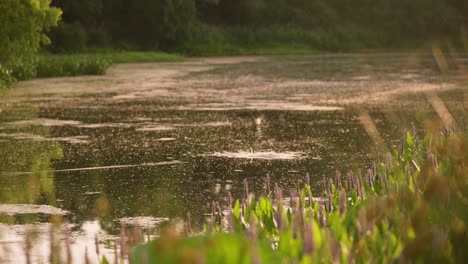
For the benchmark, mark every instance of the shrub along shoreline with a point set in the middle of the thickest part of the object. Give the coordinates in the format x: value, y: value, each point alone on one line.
x: 96, y: 62
x: 207, y: 40
x: 93, y: 63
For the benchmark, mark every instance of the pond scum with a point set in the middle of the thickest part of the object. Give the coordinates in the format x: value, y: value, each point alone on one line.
x: 409, y: 208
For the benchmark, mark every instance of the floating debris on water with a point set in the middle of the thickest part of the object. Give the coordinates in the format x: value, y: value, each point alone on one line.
x: 361, y: 78
x: 91, y: 193
x: 14, y: 209
x: 144, y: 221
x: 260, y: 106
x: 172, y: 162
x: 156, y: 128
x: 45, y: 122
x: 34, y: 137
x: 26, y: 136
x: 262, y: 155
x: 166, y: 139
x: 105, y: 125
x: 207, y: 124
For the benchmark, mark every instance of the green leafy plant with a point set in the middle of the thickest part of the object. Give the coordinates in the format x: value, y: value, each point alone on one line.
x: 5, y: 77
x: 22, y: 27
x: 409, y: 208
x: 71, y: 65
x: 68, y: 38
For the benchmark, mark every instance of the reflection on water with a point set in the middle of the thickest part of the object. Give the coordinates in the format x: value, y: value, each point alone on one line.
x: 111, y: 162
x: 82, y: 243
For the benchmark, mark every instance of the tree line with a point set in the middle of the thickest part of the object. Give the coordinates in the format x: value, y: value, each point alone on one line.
x: 174, y: 25
x: 221, y: 26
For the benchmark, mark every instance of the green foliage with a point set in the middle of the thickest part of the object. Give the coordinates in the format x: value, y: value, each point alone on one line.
x: 5, y: 77
x: 240, y: 40
x: 150, y: 24
x: 411, y: 208
x: 209, y: 40
x: 223, y: 248
x: 22, y: 26
x: 48, y: 65
x: 137, y: 56
x: 68, y: 38
x: 175, y: 21
x: 56, y: 66
x: 212, y: 27
x: 24, y: 70
x: 71, y: 65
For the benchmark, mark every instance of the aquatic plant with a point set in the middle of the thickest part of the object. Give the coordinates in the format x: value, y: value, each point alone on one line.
x: 409, y: 207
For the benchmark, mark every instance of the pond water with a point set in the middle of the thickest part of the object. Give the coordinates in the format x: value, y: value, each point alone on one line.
x: 150, y: 143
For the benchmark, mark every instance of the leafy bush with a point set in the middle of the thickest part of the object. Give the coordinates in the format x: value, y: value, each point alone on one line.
x: 5, y: 77
x: 68, y: 38
x: 151, y: 24
x: 47, y: 65
x: 210, y: 40
x: 409, y: 208
x: 175, y: 23
x: 55, y: 66
x: 22, y: 26
x: 24, y: 70
x: 139, y: 56
x: 233, y: 40
x: 71, y: 65
x: 99, y: 38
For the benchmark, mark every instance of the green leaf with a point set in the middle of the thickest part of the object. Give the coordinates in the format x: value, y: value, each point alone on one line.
x: 409, y: 139
x: 236, y: 210
x: 104, y: 260
x: 317, y: 234
x: 220, y: 248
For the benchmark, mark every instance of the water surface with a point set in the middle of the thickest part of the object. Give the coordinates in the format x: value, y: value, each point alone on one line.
x: 150, y: 143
